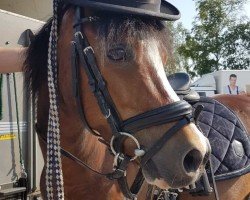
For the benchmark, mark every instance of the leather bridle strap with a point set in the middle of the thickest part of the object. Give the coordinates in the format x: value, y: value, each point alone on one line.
x: 162, y: 115
x: 165, y: 114
x: 83, y: 52
x: 139, y: 179
x: 131, y: 193
x: 97, y: 84
x: 162, y: 141
x: 76, y: 89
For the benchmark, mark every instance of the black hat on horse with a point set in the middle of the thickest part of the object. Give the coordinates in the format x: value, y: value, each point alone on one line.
x: 160, y: 9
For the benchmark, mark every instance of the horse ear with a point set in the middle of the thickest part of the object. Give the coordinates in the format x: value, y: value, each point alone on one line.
x: 26, y: 38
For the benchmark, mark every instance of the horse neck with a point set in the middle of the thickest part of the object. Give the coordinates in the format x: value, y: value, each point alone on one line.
x: 75, y: 138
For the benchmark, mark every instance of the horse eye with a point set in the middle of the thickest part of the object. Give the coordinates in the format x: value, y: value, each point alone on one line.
x: 117, y: 54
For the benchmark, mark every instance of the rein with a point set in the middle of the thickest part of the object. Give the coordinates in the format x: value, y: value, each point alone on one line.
x: 83, y: 56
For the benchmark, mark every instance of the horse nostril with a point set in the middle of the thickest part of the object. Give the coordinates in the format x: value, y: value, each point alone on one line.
x: 192, y: 161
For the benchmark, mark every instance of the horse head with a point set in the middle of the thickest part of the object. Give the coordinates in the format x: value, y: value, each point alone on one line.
x: 127, y: 100
x: 130, y: 54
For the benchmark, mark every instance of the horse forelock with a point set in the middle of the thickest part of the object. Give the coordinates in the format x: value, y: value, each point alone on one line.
x: 113, y: 30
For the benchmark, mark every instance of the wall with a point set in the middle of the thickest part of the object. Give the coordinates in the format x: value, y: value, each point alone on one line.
x: 37, y: 9
x: 11, y: 28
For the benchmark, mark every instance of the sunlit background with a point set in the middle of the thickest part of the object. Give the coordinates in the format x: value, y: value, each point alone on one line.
x: 187, y: 8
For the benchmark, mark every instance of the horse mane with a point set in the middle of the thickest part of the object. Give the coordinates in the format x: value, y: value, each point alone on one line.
x: 35, y: 65
x: 110, y: 28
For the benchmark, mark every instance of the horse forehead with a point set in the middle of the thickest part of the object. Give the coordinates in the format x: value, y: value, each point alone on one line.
x: 153, y: 53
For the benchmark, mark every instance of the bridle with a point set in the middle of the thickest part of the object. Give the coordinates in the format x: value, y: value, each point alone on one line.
x: 179, y: 112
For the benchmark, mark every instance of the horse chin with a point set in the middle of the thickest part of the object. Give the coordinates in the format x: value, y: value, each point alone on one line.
x: 169, y: 180
x: 174, y: 184
x: 160, y: 183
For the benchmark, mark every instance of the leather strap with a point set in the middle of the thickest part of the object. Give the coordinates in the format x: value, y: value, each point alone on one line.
x: 139, y: 179
x: 169, y: 113
x: 97, y: 87
x: 210, y: 167
x: 70, y: 155
x: 125, y: 188
x: 160, y: 143
x: 84, y: 56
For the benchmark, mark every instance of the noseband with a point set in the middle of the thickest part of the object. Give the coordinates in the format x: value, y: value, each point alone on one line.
x: 180, y: 112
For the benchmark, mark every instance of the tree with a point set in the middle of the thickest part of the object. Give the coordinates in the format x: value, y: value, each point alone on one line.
x: 220, y: 37
x: 176, y: 61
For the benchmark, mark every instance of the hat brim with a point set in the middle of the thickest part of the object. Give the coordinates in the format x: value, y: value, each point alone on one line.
x: 167, y: 12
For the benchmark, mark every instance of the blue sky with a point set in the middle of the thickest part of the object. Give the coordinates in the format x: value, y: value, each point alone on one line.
x: 187, y: 8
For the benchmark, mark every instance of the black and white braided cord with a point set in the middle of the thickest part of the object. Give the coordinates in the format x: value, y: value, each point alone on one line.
x: 54, y: 175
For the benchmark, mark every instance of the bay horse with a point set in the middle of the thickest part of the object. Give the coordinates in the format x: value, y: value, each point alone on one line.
x: 130, y: 53
x: 236, y: 188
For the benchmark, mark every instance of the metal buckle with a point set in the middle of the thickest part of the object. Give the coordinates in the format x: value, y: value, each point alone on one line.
x: 93, y: 18
x: 115, y: 163
x: 136, y: 142
x: 88, y: 48
x: 166, y: 195
x: 108, y: 115
x: 118, y: 159
x: 85, y: 20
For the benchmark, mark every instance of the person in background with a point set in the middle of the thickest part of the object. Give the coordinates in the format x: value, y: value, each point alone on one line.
x: 232, y: 88
x: 11, y: 59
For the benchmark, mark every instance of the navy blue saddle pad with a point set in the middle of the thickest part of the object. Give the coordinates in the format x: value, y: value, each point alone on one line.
x: 228, y: 137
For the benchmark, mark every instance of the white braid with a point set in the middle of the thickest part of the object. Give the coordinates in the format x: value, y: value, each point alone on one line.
x: 54, y: 175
